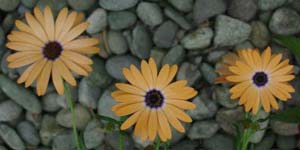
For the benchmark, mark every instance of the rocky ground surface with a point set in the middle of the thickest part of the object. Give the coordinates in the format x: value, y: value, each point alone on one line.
x: 192, y: 33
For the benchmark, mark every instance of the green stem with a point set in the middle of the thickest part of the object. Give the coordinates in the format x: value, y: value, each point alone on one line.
x: 120, y: 140
x: 108, y: 119
x: 71, y: 105
x: 166, y: 147
x: 157, y: 144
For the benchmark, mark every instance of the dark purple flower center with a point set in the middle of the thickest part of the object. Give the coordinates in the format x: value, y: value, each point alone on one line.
x: 154, y: 99
x: 52, y: 50
x: 260, y: 79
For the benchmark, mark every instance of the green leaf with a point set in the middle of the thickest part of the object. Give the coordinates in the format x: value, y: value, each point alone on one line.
x: 291, y: 115
x: 290, y: 42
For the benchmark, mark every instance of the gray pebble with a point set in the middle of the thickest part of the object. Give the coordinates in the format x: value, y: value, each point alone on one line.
x: 105, y: 103
x: 244, y: 45
x: 266, y: 143
x: 9, y: 5
x: 10, y: 137
x: 157, y: 55
x: 189, y: 72
x: 186, y: 144
x: 199, y: 39
x: 97, y: 20
x: 237, y: 9
x: 215, y: 56
x: 184, y: 6
x: 115, y: 65
x: 88, y: 93
x: 203, y: 129
x: 36, y: 119
x: 178, y: 18
x: 9, y: 111
x: 258, y: 136
x: 285, y: 21
x: 260, y: 35
x: 141, y: 42
x: 55, y: 5
x: 49, y: 129
x: 20, y: 95
x: 204, y: 9
x: 112, y: 139
x: 2, y: 147
x: 82, y: 114
x: 230, y: 31
x: 49, y: 102
x: 219, y: 141
x: 227, y: 117
x: 270, y: 4
x: 117, y: 5
x: 222, y: 96
x: 93, y: 134
x: 82, y: 5
x: 165, y: 34
x: 8, y: 23
x: 29, y: 3
x: 63, y: 102
x: 174, y: 56
x: 205, y: 109
x: 64, y: 141
x: 285, y: 129
x: 2, y: 36
x: 121, y: 20
x: 117, y: 42
x: 208, y: 73
x: 150, y: 13
x: 28, y: 133
x: 286, y: 142
x: 99, y: 75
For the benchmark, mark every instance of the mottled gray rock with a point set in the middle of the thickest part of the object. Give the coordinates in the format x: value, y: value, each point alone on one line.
x: 184, y: 6
x: 208, y: 73
x: 55, y: 5
x: 2, y: 147
x: 286, y: 142
x: 82, y: 5
x: 189, y: 72
x: 205, y: 109
x: 285, y: 129
x: 49, y: 129
x: 266, y: 143
x: 174, y: 56
x: 99, y: 76
x: 226, y: 118
x: 114, y: 65
x: 238, y: 9
x: 121, y: 20
x: 97, y: 20
x: 49, y: 102
x: 203, y: 129
x: 141, y: 42
x: 285, y: 21
x: 204, y: 9
x: 105, y: 103
x: 149, y: 13
x: 215, y: 56
x: 219, y: 141
x: 260, y: 35
x: 82, y: 114
x: 165, y: 34
x: 29, y: 3
x: 199, y: 39
x: 230, y: 31
x: 9, y: 5
x: 64, y: 141
x: 178, y: 18
x: 157, y: 55
x: 244, y: 45
x: 117, y: 5
x: 185, y: 145
x: 222, y: 96
x: 8, y: 23
x: 117, y: 42
x: 2, y: 36
x: 93, y: 134
x: 258, y: 136
x: 88, y: 93
x: 34, y: 118
x: 270, y: 4
x: 112, y: 139
x: 10, y: 137
x: 20, y: 95
x: 177, y: 136
x: 28, y: 133
x: 9, y: 111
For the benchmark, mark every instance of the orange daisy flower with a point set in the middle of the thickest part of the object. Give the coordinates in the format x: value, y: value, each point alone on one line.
x: 257, y: 78
x: 50, y: 49
x: 153, y: 101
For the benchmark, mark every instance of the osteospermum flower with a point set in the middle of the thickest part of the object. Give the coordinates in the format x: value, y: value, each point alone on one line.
x: 257, y: 78
x: 50, y: 49
x: 153, y: 101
